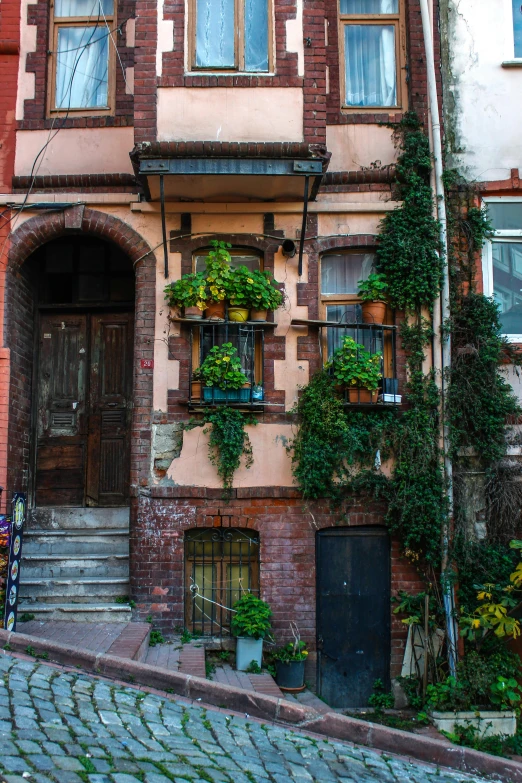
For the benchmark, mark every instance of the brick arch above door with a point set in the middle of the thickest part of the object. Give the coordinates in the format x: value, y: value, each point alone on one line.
x: 31, y: 235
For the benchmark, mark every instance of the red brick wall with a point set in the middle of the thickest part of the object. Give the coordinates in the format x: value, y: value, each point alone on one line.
x: 287, y: 528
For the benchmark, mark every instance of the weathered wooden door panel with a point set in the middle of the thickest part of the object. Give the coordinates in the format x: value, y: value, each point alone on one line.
x: 109, y: 410
x: 353, y: 613
x: 61, y: 424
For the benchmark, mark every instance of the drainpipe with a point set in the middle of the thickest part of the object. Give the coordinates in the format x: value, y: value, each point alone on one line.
x: 442, y: 360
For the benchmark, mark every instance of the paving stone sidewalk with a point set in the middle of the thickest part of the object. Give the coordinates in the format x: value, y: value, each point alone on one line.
x: 63, y: 727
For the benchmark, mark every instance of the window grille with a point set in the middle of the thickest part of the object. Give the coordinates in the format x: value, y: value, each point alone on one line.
x: 221, y: 565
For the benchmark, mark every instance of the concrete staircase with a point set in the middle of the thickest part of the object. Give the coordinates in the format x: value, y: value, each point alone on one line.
x: 75, y: 564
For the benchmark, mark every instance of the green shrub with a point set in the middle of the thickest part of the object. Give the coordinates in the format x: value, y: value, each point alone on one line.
x: 251, y: 617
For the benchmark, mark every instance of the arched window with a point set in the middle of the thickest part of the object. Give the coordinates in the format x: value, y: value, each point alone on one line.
x: 221, y: 564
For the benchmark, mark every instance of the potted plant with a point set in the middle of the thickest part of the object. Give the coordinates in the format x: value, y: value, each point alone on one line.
x: 372, y: 292
x: 221, y: 375
x: 251, y: 624
x: 354, y: 368
x: 238, y: 295
x: 290, y: 664
x: 218, y: 277
x: 189, y: 294
x: 262, y: 294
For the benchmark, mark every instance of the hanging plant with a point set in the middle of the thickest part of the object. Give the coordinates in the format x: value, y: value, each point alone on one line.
x: 228, y: 443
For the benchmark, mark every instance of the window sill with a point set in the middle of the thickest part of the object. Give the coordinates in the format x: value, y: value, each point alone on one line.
x: 257, y: 74
x: 512, y: 63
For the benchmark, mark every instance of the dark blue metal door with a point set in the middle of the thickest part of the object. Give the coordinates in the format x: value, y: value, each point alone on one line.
x: 353, y: 613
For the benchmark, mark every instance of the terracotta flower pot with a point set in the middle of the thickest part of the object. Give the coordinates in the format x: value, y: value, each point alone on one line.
x: 238, y: 314
x: 194, y: 313
x: 195, y: 390
x: 215, y: 311
x: 373, y: 312
x: 355, y: 394
x: 258, y: 315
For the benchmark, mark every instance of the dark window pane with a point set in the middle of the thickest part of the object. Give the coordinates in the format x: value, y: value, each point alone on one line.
x: 256, y: 35
x: 241, y: 337
x: 121, y: 289
x: 505, y: 215
x: 215, y: 34
x: 370, y: 338
x: 507, y: 284
x: 91, y: 288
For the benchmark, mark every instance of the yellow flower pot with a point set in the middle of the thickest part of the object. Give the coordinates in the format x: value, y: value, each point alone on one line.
x: 238, y: 314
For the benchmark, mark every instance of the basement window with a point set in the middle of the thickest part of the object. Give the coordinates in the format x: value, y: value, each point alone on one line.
x: 231, y: 35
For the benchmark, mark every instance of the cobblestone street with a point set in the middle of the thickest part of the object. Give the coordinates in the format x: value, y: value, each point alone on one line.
x: 71, y: 728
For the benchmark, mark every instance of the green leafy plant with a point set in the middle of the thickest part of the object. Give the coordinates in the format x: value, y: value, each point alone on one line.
x: 156, y: 637
x: 26, y: 617
x: 449, y: 694
x: 210, y: 669
x: 188, y: 291
x: 251, y: 617
x: 253, y: 668
x: 293, y: 651
x: 186, y: 636
x: 221, y: 368
x: 373, y: 289
x: 505, y: 692
x: 224, y: 655
x: 254, y: 289
x: 228, y: 443
x: 353, y: 366
x: 380, y: 699
x: 219, y: 273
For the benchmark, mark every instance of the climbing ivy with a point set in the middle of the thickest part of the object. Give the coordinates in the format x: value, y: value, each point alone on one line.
x: 228, y: 443
x: 409, y: 252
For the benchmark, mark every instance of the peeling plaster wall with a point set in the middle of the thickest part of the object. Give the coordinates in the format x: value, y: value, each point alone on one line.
x: 483, y: 113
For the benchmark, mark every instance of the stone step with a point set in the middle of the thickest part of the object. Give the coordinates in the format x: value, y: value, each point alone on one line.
x: 67, y: 565
x: 96, y: 612
x: 63, y: 518
x: 85, y: 590
x: 77, y: 542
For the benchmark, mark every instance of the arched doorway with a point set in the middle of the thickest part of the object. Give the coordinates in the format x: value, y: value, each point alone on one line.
x: 82, y: 390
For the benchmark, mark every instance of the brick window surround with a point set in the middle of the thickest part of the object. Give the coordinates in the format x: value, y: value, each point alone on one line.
x: 20, y: 318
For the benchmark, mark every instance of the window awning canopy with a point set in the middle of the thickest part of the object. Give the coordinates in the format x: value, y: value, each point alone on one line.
x: 229, y: 171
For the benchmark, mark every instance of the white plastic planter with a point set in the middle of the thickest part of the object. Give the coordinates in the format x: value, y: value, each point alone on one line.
x: 486, y: 724
x: 248, y: 650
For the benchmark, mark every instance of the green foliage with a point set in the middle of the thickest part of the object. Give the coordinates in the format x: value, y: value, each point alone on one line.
x: 332, y: 444
x: 412, y: 689
x: 210, y: 669
x: 374, y: 288
x: 26, y: 617
x: 251, y: 617
x: 352, y: 365
x: 409, y: 253
x: 479, y: 397
x: 466, y: 734
x: 253, y: 289
x: 224, y: 655
x: 221, y: 368
x: 253, y: 668
x: 481, y: 562
x: 218, y: 274
x: 186, y: 636
x: 188, y: 291
x: 505, y: 693
x: 156, y: 637
x: 228, y: 443
x: 380, y: 699
x: 413, y: 606
x: 293, y: 651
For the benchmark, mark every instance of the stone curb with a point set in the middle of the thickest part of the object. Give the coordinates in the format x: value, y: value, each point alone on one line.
x: 330, y: 725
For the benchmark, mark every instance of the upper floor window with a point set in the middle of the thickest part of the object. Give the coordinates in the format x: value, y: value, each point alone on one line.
x: 340, y: 274
x: 231, y: 35
x: 370, y: 33
x: 517, y: 27
x: 503, y: 265
x: 81, y: 62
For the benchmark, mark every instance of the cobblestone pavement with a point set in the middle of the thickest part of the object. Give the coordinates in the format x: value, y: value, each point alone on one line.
x: 62, y: 727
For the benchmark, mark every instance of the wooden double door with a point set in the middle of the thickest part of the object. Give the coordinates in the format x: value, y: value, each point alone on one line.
x: 83, y: 416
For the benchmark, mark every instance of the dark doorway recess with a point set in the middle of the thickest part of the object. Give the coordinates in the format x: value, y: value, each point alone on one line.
x: 353, y: 613
x: 83, y: 395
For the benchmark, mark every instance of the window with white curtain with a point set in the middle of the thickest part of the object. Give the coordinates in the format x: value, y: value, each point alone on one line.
x: 370, y: 32
x: 81, y: 55
x: 232, y: 35
x: 340, y: 275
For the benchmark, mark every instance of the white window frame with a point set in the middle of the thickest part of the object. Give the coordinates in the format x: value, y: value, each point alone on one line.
x: 506, y: 235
